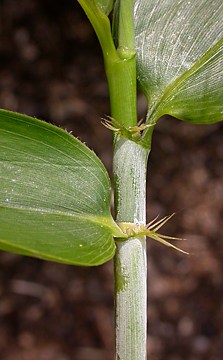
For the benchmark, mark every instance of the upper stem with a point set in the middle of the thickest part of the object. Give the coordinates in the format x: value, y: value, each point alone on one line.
x: 121, y: 77
x: 126, y: 25
x: 121, y: 74
x: 120, y: 64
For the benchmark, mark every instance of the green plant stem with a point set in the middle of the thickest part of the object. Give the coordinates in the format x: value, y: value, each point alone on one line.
x: 129, y: 169
x: 130, y: 300
x: 121, y: 77
x: 126, y: 24
x: 121, y: 74
x: 120, y: 64
x: 129, y: 164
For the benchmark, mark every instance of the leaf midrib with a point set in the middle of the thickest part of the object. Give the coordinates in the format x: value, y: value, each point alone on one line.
x: 92, y: 218
x: 105, y: 221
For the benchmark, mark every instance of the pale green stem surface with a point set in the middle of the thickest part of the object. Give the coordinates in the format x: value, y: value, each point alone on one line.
x: 129, y: 166
x: 130, y: 300
x: 129, y: 170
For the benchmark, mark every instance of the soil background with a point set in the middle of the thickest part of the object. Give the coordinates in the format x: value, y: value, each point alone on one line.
x: 51, y: 68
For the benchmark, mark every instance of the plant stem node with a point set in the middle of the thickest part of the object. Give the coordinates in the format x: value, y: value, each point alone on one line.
x: 150, y: 230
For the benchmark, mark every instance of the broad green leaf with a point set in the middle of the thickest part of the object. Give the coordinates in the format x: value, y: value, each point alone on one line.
x: 54, y: 194
x: 179, y: 45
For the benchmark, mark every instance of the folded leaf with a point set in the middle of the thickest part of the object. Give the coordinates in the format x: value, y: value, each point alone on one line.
x: 179, y: 47
x: 54, y: 194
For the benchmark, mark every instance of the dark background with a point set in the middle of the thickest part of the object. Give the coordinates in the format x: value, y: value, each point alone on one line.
x: 51, y: 67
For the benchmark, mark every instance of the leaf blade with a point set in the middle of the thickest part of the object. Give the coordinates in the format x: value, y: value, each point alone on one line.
x: 51, y: 237
x: 207, y: 106
x: 105, y: 5
x: 171, y: 38
x: 44, y: 170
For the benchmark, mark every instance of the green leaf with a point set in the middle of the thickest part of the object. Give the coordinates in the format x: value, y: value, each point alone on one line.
x: 54, y: 194
x: 105, y: 5
x: 179, y: 47
x: 97, y: 12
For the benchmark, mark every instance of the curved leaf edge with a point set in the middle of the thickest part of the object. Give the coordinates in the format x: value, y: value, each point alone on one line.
x: 5, y: 246
x: 105, y: 221
x: 67, y: 245
x: 42, y: 123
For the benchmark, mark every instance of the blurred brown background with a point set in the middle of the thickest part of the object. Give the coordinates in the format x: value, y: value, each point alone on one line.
x: 51, y: 67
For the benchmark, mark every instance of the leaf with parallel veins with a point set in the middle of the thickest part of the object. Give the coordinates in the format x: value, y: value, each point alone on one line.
x: 54, y: 194
x: 179, y: 47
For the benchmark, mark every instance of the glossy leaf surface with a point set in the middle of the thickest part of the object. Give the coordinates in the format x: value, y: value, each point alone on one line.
x: 179, y: 48
x: 54, y: 194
